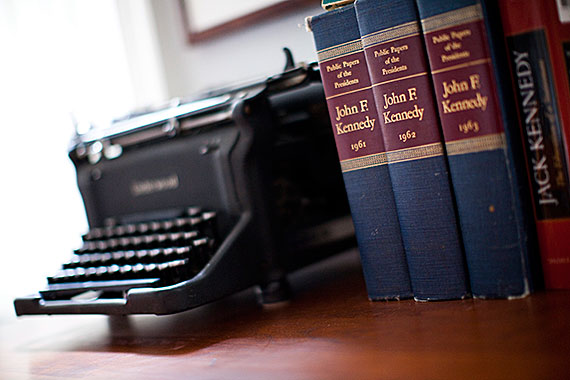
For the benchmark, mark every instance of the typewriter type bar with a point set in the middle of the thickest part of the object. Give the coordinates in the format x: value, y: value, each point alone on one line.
x: 202, y: 199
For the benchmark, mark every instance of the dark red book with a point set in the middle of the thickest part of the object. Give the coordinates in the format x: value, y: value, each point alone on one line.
x: 538, y: 42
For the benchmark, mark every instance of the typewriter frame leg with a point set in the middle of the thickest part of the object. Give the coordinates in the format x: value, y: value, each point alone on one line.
x: 274, y: 291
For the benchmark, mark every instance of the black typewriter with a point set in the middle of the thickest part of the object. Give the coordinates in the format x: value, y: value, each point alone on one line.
x: 201, y: 199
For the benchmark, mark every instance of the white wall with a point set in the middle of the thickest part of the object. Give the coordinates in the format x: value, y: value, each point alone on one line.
x: 57, y: 57
x: 249, y: 53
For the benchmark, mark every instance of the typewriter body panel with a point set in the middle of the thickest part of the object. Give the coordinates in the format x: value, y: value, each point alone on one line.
x: 254, y: 167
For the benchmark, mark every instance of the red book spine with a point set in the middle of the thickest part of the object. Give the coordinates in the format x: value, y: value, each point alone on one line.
x: 539, y: 53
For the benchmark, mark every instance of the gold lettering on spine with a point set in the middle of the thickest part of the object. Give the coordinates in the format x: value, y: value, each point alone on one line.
x: 331, y: 68
x: 392, y: 59
x: 348, y: 110
x: 473, y: 82
x: 345, y: 73
x: 533, y: 126
x: 410, y: 95
x: 453, y: 44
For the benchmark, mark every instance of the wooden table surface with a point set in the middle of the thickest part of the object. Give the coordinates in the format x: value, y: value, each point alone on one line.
x: 329, y: 330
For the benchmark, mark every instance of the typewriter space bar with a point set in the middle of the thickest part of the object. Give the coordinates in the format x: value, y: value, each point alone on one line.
x: 59, y: 291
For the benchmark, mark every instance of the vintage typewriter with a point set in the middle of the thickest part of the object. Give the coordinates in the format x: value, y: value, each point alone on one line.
x: 201, y: 199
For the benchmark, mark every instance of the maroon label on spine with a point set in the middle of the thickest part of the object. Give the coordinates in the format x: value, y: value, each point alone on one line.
x: 351, y: 106
x: 464, y: 82
x: 404, y: 97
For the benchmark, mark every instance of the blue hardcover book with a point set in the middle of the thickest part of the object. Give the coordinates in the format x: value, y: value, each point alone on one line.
x: 361, y: 153
x: 403, y: 92
x: 476, y: 126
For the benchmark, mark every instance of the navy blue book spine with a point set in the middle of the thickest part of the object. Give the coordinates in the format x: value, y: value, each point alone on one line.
x: 361, y: 153
x: 402, y: 88
x: 477, y: 130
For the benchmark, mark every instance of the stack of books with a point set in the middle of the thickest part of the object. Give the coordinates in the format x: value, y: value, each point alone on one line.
x: 451, y: 119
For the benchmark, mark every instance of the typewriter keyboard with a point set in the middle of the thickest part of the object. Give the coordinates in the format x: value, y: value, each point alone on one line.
x: 124, y: 256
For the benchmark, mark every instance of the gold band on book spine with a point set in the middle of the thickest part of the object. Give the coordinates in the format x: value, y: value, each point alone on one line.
x: 456, y: 17
x: 348, y: 92
x: 399, y: 79
x: 404, y: 30
x: 476, y: 144
x: 415, y: 153
x: 463, y: 65
x: 392, y: 157
x: 339, y: 50
x: 363, y: 162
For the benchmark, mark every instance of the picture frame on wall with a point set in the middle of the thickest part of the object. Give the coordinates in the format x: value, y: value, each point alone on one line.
x: 207, y: 19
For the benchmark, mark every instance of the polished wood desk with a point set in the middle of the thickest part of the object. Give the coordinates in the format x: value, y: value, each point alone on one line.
x: 327, y: 331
